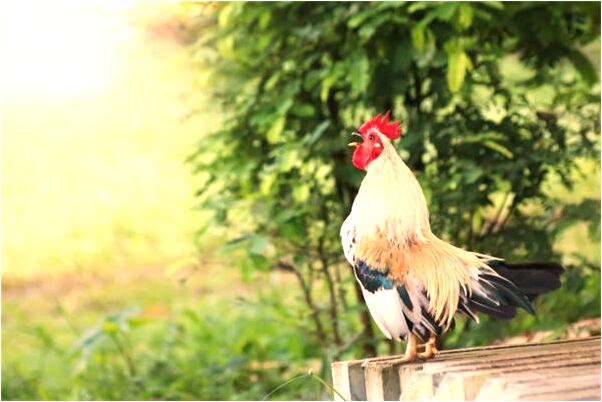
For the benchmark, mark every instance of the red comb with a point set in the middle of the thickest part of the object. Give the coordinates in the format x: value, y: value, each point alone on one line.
x: 391, y: 130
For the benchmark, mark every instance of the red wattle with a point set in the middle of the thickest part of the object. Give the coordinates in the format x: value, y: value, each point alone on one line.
x: 364, y: 154
x: 360, y: 157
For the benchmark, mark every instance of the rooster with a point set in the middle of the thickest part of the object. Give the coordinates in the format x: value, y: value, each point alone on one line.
x: 413, y: 282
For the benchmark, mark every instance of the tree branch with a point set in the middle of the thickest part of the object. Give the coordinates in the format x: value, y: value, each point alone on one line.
x: 368, y: 345
x: 308, y: 300
x: 487, y: 229
x: 333, y: 310
x: 342, y: 292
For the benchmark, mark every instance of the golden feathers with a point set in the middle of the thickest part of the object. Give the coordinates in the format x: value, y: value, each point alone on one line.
x: 441, y: 269
x: 383, y: 255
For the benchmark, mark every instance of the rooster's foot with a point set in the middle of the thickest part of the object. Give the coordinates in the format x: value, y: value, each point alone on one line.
x: 430, y: 348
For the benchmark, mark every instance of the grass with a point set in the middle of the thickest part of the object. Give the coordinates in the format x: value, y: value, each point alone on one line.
x: 162, y: 338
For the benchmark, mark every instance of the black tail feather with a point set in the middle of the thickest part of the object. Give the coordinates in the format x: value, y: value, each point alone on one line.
x: 532, y: 279
x: 517, y: 286
x: 501, y: 312
x: 508, y: 293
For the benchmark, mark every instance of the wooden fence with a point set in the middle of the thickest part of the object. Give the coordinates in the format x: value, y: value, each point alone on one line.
x: 561, y: 370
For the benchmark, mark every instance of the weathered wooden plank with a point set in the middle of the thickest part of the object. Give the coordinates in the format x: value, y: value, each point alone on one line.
x: 505, y: 360
x: 341, y: 380
x: 348, y: 380
x: 584, y: 385
x: 459, y: 388
x: 554, y: 373
x: 468, y: 356
x: 419, y: 387
x: 445, y: 354
x: 358, y: 385
x: 415, y: 382
x: 380, y: 386
x: 590, y: 393
x: 468, y: 387
x: 463, y: 374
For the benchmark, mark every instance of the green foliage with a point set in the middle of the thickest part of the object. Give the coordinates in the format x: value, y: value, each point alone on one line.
x: 494, y: 98
x: 193, y: 354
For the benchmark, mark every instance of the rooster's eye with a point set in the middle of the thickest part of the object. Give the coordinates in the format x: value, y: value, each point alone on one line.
x: 371, y: 137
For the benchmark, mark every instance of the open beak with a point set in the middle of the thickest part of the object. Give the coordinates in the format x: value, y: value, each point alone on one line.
x: 354, y: 144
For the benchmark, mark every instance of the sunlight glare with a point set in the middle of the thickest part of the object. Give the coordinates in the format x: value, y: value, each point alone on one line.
x: 60, y: 49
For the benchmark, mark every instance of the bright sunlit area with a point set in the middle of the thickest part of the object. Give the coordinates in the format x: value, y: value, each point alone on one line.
x: 98, y: 202
x: 94, y: 139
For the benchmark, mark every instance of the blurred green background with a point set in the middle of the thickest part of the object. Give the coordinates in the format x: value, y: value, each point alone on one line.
x: 175, y: 176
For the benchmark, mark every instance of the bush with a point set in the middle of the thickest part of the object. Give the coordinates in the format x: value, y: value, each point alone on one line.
x: 495, y: 99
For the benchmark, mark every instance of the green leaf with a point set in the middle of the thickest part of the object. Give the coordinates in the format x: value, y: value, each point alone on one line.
x: 498, y: 5
x: 417, y: 6
x: 465, y: 13
x: 326, y: 85
x: 264, y: 19
x: 234, y: 244
x: 110, y: 328
x: 274, y: 133
x: 317, y: 133
x: 418, y: 36
x: 584, y: 66
x: 226, y: 47
x: 137, y: 322
x: 288, y: 160
x: 366, y: 32
x: 445, y: 11
x: 499, y: 148
x: 259, y: 261
x: 301, y: 192
x: 359, y: 73
x: 458, y: 63
x: 267, y: 181
x: 303, y: 110
x: 225, y: 13
x: 359, y: 18
x: 258, y: 244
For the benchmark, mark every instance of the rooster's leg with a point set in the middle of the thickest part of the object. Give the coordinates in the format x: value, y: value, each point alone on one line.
x: 411, y: 346
x: 430, y: 348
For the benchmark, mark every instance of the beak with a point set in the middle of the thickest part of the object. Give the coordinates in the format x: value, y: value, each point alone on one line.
x: 354, y: 144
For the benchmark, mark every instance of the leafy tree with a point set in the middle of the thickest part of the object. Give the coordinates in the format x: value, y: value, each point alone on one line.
x: 494, y: 98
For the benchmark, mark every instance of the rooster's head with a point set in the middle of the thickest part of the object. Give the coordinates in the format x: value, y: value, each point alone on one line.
x: 372, y: 145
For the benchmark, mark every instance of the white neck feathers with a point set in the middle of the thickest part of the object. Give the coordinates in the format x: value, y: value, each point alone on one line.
x: 390, y: 200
